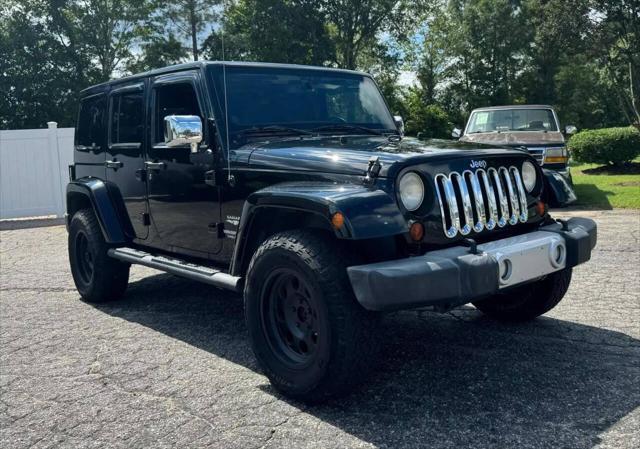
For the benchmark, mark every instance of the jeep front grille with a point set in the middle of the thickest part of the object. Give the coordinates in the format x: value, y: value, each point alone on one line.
x: 474, y: 201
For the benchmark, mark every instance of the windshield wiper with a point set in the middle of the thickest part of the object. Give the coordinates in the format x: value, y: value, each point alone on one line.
x: 340, y: 126
x: 271, y: 129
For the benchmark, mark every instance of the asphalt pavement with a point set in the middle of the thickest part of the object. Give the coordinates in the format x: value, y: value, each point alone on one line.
x: 170, y: 365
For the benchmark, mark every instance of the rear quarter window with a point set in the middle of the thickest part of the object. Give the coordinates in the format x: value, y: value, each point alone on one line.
x: 90, y: 125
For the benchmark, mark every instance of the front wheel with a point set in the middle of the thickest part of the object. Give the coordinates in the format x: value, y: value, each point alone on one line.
x: 527, y: 301
x: 311, y: 337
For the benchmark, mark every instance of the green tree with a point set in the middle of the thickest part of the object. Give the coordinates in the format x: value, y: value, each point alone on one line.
x: 356, y: 25
x: 584, y: 96
x: 617, y: 43
x: 191, y: 18
x: 39, y: 76
x: 428, y: 120
x: 155, y: 52
x: 291, y: 31
x: 554, y: 40
x: 115, y: 29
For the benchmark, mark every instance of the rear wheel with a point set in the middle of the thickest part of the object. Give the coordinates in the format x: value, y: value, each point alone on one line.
x: 308, y: 332
x: 527, y: 301
x: 97, y: 276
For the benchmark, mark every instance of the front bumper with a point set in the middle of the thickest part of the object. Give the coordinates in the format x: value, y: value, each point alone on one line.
x: 455, y: 276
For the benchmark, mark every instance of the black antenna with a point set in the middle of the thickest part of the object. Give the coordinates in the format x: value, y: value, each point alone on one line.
x: 224, y: 83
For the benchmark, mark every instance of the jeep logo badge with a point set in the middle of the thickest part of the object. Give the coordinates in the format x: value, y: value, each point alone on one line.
x: 478, y: 164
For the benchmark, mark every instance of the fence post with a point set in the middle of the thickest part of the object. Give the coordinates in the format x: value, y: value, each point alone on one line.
x: 55, y: 152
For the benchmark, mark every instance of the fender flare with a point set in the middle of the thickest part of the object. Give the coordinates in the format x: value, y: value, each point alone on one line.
x: 559, y: 188
x: 368, y: 212
x: 103, y: 199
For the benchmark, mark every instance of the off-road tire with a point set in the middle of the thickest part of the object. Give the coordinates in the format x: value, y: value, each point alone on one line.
x: 527, y: 301
x: 346, y: 342
x: 98, y: 277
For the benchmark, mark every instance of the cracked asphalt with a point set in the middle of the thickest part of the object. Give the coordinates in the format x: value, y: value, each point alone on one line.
x: 170, y: 365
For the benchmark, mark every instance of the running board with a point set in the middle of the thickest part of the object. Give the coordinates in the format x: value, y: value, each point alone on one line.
x: 178, y: 267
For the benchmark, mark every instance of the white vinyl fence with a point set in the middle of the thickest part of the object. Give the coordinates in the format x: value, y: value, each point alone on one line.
x: 34, y: 171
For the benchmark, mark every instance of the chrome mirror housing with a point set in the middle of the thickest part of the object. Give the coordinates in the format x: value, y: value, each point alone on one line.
x: 182, y: 130
x: 456, y: 133
x: 570, y: 130
x: 399, y: 124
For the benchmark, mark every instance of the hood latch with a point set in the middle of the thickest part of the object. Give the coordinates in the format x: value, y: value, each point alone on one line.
x: 373, y: 170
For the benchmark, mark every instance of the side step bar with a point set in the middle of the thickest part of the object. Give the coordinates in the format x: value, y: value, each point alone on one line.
x: 178, y: 267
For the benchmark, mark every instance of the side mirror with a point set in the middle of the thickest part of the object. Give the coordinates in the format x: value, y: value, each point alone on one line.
x: 570, y: 130
x: 182, y: 130
x: 456, y: 133
x: 399, y: 124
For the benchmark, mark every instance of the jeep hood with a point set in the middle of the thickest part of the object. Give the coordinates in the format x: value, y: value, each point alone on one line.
x: 516, y: 138
x: 350, y: 155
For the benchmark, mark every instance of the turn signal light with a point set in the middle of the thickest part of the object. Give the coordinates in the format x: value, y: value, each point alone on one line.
x: 541, y: 208
x: 556, y: 160
x: 416, y: 231
x: 337, y: 220
x: 556, y: 155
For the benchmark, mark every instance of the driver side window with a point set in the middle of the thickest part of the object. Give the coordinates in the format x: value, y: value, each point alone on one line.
x: 173, y: 99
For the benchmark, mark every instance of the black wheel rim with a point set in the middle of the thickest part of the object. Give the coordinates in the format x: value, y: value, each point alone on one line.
x: 291, y: 317
x: 84, y: 257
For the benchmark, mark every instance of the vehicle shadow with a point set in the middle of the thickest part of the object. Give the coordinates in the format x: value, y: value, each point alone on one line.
x: 452, y: 380
x: 592, y: 197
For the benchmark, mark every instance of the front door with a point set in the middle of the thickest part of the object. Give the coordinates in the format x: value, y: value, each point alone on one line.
x: 184, y: 206
x: 125, y: 153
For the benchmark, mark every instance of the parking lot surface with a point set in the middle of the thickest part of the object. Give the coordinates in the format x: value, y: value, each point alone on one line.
x: 170, y: 365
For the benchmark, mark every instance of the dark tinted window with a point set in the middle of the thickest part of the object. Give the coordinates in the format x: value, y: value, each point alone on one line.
x: 126, y: 117
x: 90, y: 130
x: 174, y: 99
x: 299, y: 98
x: 303, y: 99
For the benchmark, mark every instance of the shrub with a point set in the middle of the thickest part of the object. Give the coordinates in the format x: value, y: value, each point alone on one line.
x: 428, y: 119
x: 605, y: 146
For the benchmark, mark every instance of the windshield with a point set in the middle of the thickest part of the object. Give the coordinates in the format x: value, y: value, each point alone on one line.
x: 501, y: 120
x: 277, y: 100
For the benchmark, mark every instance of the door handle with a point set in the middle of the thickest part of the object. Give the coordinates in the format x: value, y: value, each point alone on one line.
x: 114, y: 164
x: 154, y: 166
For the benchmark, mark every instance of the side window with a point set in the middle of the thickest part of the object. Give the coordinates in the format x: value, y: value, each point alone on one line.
x: 90, y: 132
x: 127, y: 117
x: 173, y: 99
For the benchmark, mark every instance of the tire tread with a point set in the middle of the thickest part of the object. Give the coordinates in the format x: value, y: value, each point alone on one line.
x: 357, y: 344
x: 111, y: 276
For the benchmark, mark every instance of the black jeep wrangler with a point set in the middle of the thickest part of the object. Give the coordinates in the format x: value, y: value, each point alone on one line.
x: 295, y: 186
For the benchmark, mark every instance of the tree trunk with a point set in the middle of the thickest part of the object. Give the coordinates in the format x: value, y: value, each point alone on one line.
x: 194, y: 30
x: 634, y: 105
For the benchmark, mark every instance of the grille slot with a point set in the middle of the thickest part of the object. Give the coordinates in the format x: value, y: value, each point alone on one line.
x: 537, y: 153
x: 479, y: 200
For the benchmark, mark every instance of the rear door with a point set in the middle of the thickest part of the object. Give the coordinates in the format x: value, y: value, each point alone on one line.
x: 125, y: 161
x: 183, y: 201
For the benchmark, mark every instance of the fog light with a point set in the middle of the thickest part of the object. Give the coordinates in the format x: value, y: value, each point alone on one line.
x: 416, y: 231
x: 557, y: 254
x: 505, y: 270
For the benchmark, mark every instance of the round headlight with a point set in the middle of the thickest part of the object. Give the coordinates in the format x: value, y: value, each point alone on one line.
x: 529, y: 176
x: 411, y: 191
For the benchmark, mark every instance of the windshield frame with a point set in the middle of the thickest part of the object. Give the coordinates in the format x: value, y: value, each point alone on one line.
x: 535, y: 108
x: 215, y: 75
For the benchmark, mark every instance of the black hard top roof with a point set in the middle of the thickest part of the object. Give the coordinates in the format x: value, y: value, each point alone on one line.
x: 201, y: 64
x: 515, y: 106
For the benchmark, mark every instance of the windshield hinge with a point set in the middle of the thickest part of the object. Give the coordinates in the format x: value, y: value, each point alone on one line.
x: 373, y: 170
